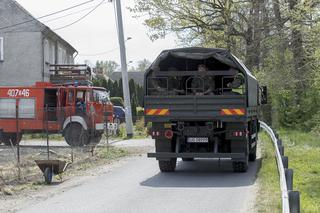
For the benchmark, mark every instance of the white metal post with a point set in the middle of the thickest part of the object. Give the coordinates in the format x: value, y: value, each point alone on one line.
x: 125, y: 81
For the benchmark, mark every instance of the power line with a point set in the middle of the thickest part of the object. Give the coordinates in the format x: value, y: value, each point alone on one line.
x: 101, y: 53
x: 91, y: 11
x: 69, y: 14
x: 108, y: 51
x: 44, y: 16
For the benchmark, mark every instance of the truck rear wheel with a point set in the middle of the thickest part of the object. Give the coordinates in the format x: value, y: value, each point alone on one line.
x: 75, y: 135
x: 253, y: 154
x: 239, y: 166
x: 168, y: 166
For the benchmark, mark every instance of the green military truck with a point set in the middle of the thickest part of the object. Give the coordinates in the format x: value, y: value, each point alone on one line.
x: 202, y: 103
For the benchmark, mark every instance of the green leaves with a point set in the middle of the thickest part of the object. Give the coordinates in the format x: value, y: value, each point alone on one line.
x: 278, y: 40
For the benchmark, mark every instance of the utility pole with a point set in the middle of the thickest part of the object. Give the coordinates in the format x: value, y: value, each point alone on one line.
x: 124, y: 71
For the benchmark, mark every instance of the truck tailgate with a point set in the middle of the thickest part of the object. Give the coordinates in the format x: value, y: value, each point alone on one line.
x: 161, y: 109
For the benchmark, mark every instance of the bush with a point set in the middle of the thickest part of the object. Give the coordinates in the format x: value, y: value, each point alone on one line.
x: 140, y: 112
x: 117, y: 101
x: 122, y: 131
x: 140, y: 129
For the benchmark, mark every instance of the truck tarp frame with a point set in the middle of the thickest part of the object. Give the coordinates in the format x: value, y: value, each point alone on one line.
x: 199, y: 53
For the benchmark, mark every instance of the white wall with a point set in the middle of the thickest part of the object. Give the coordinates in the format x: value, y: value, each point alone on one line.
x: 22, y: 53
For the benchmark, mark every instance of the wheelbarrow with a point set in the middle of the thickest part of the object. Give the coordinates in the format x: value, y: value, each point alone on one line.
x: 50, y: 168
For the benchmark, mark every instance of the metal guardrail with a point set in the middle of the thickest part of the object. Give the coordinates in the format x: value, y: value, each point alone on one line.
x: 290, y: 198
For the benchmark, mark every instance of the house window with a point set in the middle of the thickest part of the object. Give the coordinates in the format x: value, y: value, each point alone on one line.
x: 46, y: 49
x: 1, y: 49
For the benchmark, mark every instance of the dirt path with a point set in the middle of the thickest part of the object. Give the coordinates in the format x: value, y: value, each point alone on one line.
x: 31, y: 196
x: 33, y: 190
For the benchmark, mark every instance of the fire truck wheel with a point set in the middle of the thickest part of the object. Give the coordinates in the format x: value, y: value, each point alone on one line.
x: 13, y: 137
x: 75, y: 135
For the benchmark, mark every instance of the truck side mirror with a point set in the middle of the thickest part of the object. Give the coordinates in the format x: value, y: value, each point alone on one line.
x: 264, y: 95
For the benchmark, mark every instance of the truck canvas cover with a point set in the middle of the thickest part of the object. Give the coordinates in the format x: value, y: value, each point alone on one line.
x: 178, y: 56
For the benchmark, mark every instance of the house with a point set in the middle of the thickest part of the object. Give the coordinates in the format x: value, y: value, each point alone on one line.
x: 28, y: 47
x: 137, y: 76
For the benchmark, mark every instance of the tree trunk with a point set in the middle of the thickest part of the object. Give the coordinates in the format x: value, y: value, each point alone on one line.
x: 279, y: 25
x: 297, y: 48
x: 253, y: 38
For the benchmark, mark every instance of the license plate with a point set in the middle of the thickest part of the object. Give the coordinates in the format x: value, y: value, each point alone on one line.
x: 198, y: 140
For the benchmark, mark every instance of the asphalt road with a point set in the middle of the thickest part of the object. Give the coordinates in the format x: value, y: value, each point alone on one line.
x: 138, y: 186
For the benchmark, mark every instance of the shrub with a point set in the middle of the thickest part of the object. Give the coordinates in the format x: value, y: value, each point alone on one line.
x: 117, y: 101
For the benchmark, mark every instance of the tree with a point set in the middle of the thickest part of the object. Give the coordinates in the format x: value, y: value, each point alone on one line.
x: 143, y: 65
x: 278, y: 40
x: 227, y: 23
x: 108, y: 67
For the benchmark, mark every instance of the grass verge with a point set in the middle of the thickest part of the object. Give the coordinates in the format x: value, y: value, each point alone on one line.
x: 32, y: 178
x: 269, y: 196
x: 303, y: 150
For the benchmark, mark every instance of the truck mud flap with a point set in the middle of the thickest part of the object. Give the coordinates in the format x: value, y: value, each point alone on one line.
x: 168, y: 155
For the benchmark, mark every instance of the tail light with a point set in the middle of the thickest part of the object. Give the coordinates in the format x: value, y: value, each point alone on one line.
x: 240, y: 133
x: 155, y: 133
x: 168, y: 134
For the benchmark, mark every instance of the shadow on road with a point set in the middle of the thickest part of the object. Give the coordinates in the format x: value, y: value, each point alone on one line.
x: 204, y: 173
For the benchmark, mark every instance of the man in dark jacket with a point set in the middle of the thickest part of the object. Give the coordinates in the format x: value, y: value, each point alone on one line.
x: 203, y: 84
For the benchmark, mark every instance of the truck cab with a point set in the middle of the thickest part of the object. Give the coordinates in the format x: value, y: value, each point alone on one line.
x: 85, y: 110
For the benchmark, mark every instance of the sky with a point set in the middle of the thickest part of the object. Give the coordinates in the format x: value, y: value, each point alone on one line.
x: 97, y: 33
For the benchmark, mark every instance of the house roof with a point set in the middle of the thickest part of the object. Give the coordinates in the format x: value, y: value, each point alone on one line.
x: 137, y: 76
x: 42, y: 27
x: 47, y: 31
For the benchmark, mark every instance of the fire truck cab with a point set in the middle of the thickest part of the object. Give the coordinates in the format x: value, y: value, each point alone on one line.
x: 78, y: 112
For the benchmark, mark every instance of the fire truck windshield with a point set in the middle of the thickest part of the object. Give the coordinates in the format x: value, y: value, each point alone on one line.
x: 101, y: 96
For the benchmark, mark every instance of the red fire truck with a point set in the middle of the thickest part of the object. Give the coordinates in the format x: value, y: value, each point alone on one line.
x: 78, y: 111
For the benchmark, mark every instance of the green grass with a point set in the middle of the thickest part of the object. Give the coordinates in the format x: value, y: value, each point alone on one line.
x: 111, y: 153
x: 303, y: 150
x: 269, y: 196
x: 103, y: 155
x: 139, y: 130
x: 42, y: 136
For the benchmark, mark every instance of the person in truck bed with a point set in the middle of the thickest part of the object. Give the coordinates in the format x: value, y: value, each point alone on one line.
x: 201, y: 84
x: 235, y: 87
x: 204, y: 84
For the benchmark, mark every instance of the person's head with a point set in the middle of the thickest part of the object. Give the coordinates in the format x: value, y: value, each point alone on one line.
x: 202, y: 68
x: 238, y: 81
